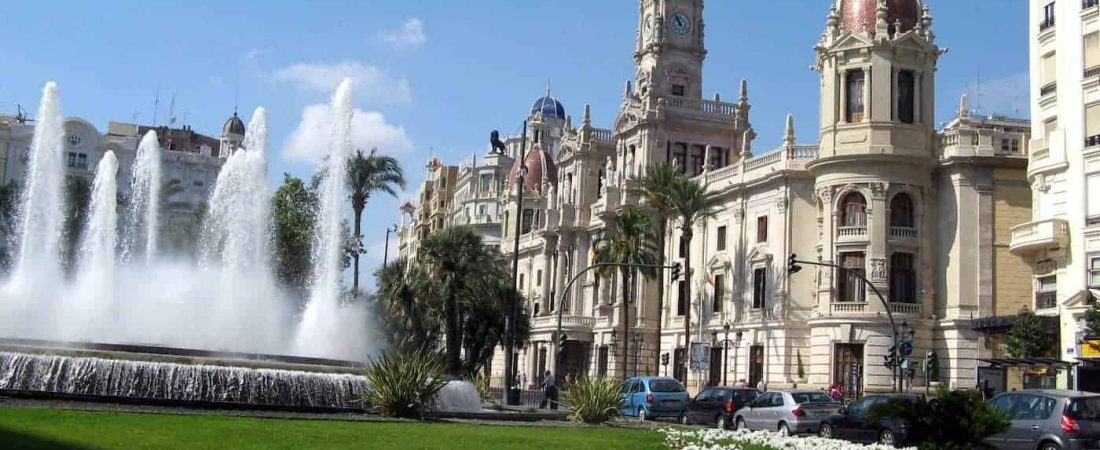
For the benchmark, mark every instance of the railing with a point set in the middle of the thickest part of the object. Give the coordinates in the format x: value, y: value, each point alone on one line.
x: 905, y: 308
x: 584, y: 321
x: 853, y: 231
x: 802, y: 152
x: 1086, y: 4
x: 1048, y: 89
x: 601, y: 134
x: 849, y: 307
x: 1092, y: 71
x: 903, y: 232
x: 1092, y: 221
x: 1049, y: 22
x: 722, y: 173
x: 1046, y: 300
x: 695, y: 104
x: 1092, y: 141
x: 761, y: 161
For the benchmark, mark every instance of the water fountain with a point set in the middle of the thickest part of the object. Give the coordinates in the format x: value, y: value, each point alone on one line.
x: 133, y: 307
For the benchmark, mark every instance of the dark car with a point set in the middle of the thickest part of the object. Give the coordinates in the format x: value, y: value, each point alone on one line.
x: 853, y: 423
x: 1048, y: 420
x: 716, y: 405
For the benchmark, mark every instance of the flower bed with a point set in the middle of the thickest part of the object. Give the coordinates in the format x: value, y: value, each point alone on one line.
x: 714, y: 439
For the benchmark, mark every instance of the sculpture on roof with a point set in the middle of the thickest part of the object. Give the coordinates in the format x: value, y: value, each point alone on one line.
x: 494, y: 140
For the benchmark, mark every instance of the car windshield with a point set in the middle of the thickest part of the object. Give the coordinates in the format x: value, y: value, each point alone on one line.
x: 665, y: 386
x: 1086, y: 408
x: 811, y: 397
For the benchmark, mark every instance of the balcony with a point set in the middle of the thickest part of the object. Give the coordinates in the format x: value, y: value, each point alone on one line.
x: 1093, y: 71
x: 848, y: 307
x: 1048, y: 89
x: 903, y: 233
x: 701, y: 105
x: 550, y: 320
x: 1092, y: 221
x: 852, y: 232
x: 905, y: 308
x: 1092, y: 141
x: 1046, y: 24
x: 1086, y: 4
x: 1046, y: 300
x: 1039, y: 235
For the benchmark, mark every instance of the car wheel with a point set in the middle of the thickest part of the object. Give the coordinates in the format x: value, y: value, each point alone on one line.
x: 720, y: 422
x: 641, y: 414
x: 684, y: 420
x: 739, y: 424
x: 1050, y: 446
x: 886, y: 437
x: 826, y: 431
x: 784, y: 430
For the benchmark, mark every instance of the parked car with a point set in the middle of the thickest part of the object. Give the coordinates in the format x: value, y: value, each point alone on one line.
x: 653, y: 397
x: 1048, y: 420
x: 852, y: 422
x: 716, y: 405
x: 788, y: 412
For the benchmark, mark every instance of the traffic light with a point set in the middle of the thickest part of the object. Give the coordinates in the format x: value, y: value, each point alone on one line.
x: 792, y: 264
x: 561, y: 342
x: 891, y: 357
x: 676, y: 268
x: 664, y: 359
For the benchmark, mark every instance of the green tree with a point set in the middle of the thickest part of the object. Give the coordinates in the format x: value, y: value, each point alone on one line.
x: 367, y: 175
x: 654, y: 187
x: 408, y: 298
x: 483, y: 324
x: 1028, y: 337
x: 692, y: 205
x: 1092, y: 320
x: 294, y: 208
x: 9, y: 210
x: 950, y: 420
x: 631, y: 241
x: 78, y: 198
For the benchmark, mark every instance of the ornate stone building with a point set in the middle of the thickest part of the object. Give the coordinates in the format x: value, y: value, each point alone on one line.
x: 879, y: 194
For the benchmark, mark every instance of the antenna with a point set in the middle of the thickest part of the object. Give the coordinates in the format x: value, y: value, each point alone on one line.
x: 172, y: 110
x: 156, y: 105
x: 236, y: 97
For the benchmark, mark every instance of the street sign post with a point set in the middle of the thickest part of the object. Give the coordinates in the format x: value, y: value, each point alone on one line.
x: 700, y: 356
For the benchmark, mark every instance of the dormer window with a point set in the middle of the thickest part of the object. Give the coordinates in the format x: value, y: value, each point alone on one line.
x: 854, y: 103
x: 678, y: 90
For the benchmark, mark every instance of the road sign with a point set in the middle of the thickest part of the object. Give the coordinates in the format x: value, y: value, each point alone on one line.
x: 906, y: 348
x: 700, y: 356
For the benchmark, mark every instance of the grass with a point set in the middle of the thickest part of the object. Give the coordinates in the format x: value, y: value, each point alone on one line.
x: 32, y: 428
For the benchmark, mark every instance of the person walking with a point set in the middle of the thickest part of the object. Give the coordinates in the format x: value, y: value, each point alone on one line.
x: 549, y: 391
x: 762, y: 386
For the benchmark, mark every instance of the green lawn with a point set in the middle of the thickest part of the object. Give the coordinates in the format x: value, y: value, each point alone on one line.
x: 28, y: 428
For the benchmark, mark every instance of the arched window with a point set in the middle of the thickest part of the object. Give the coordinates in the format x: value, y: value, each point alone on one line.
x: 853, y: 210
x: 901, y: 211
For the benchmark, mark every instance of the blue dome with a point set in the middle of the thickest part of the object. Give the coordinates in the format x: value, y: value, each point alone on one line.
x: 549, y: 107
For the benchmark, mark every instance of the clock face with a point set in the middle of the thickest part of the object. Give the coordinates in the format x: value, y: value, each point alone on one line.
x: 647, y: 27
x: 680, y: 24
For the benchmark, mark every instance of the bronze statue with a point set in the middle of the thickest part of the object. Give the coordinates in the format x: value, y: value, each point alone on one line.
x: 498, y: 145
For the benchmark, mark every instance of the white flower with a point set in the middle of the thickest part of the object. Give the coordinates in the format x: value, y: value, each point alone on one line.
x: 715, y: 439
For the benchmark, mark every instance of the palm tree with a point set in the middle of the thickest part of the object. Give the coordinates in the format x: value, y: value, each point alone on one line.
x: 409, y: 299
x: 692, y: 204
x: 631, y: 242
x: 456, y: 257
x: 654, y: 187
x: 367, y: 175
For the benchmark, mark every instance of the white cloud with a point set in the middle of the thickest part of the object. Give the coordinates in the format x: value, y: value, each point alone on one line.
x: 371, y: 83
x: 1005, y: 96
x: 411, y: 34
x: 369, y: 129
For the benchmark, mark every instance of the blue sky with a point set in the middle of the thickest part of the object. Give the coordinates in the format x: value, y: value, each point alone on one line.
x: 435, y: 76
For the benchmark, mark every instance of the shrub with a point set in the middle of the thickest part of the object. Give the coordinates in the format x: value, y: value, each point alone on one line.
x: 594, y: 400
x: 404, y: 385
x: 950, y: 420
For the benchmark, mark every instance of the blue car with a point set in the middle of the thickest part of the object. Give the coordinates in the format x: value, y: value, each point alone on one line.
x: 653, y: 397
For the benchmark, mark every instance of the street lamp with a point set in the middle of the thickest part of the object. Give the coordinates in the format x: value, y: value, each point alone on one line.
x: 725, y: 354
x: 386, y: 251
x: 510, y: 320
x: 635, y: 341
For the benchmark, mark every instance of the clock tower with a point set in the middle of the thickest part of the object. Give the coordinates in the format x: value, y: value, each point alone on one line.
x: 670, y: 51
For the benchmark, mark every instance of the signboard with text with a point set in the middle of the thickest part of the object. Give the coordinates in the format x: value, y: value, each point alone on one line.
x: 1090, y: 348
x: 700, y: 356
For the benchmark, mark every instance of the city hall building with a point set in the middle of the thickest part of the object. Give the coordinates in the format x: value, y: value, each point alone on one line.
x: 924, y: 215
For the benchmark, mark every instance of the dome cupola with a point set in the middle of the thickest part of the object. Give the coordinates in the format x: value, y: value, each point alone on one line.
x: 548, y: 107
x: 540, y: 170
x: 233, y: 126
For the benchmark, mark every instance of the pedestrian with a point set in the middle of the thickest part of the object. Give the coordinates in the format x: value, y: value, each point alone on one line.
x: 836, y: 393
x: 762, y: 386
x: 523, y: 380
x: 549, y: 392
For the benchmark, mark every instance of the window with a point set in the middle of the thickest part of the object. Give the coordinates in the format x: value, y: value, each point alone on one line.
x: 1050, y: 68
x: 906, y: 96
x: 678, y: 90
x: 683, y: 247
x: 698, y: 152
x: 759, y: 287
x: 196, y: 183
x: 761, y: 229
x: 1092, y: 125
x: 850, y: 287
x: 538, y: 278
x: 1092, y: 50
x: 486, y: 183
x: 679, y: 157
x: 521, y: 281
x: 901, y: 211
x: 681, y: 297
x: 1049, y: 128
x: 903, y: 278
x: 82, y: 161
x: 537, y: 133
x: 1048, y: 16
x: 853, y: 210
x: 854, y: 105
x: 72, y: 159
x: 528, y: 221
x: 1046, y: 292
x: 1094, y: 272
x: 1092, y: 199
x: 716, y: 159
x: 720, y: 293
x: 721, y: 238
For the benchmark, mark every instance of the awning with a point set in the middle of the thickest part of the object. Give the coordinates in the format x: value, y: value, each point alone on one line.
x: 1004, y: 323
x: 1029, y: 362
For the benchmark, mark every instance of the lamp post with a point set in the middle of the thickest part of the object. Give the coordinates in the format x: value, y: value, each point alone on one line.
x: 635, y: 341
x: 513, y: 307
x: 725, y: 354
x: 386, y: 251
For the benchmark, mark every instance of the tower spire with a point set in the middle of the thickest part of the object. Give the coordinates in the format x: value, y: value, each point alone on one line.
x: 788, y: 135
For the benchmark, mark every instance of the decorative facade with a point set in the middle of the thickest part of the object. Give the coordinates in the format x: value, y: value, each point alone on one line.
x: 882, y: 194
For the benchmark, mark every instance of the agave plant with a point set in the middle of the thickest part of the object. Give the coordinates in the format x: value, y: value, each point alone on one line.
x: 481, y: 383
x: 594, y: 400
x: 404, y: 385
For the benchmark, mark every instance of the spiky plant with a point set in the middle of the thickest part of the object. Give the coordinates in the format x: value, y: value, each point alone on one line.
x: 404, y: 385
x: 594, y: 400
